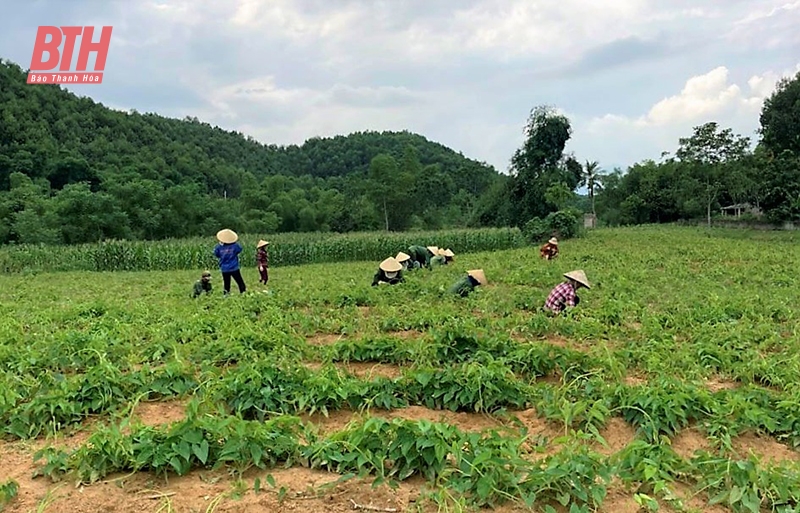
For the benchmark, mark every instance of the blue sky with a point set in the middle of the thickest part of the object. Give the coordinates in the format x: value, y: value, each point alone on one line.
x: 632, y: 75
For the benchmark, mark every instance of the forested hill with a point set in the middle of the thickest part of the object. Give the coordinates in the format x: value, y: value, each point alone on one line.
x: 73, y: 170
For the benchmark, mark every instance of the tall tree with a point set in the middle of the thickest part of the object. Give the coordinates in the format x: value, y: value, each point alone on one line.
x: 710, y: 154
x: 780, y: 118
x: 590, y: 173
x: 538, y: 163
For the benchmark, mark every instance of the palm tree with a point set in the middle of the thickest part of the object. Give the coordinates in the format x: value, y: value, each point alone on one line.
x: 591, y: 171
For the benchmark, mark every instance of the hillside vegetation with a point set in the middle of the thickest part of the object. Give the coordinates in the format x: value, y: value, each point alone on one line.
x: 73, y: 171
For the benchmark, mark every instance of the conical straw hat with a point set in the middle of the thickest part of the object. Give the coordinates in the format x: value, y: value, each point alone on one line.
x: 448, y: 253
x: 402, y: 257
x: 262, y: 243
x: 227, y: 236
x: 553, y: 241
x: 433, y: 249
x: 478, y: 275
x: 390, y: 265
x: 580, y: 277
x: 440, y: 252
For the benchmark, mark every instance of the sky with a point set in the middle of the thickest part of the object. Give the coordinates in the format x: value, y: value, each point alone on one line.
x: 633, y: 76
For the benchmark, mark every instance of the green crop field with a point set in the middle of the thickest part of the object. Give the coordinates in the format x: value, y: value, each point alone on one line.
x: 672, y: 387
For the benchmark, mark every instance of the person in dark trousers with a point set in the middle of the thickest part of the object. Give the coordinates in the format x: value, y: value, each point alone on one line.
x: 467, y: 284
x: 262, y: 259
x: 227, y: 251
x: 390, y: 272
x: 202, y: 285
x: 563, y: 296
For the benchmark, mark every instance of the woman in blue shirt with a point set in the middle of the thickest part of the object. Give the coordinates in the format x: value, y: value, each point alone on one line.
x: 227, y: 251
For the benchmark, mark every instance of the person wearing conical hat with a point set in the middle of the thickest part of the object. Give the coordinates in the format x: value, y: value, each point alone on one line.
x: 422, y: 254
x: 390, y: 271
x: 467, y: 284
x: 202, y: 285
x: 406, y: 261
x: 262, y: 259
x: 550, y: 250
x: 564, y: 294
x: 227, y: 251
x: 439, y: 258
x: 448, y: 255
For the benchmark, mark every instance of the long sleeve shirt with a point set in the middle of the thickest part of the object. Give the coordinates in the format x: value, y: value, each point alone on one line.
x: 410, y: 265
x: 228, y: 255
x: 438, y: 260
x: 464, y: 286
x: 201, y: 286
x: 420, y: 255
x: 380, y: 276
x: 562, y: 296
x: 262, y: 258
x: 549, y: 251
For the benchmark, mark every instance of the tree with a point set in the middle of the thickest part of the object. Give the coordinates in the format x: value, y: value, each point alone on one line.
x: 780, y: 118
x: 709, y: 155
x: 538, y: 164
x: 589, y: 179
x: 391, y: 191
x: 559, y: 195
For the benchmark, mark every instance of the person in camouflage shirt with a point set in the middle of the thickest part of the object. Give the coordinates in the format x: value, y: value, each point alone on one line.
x: 202, y: 285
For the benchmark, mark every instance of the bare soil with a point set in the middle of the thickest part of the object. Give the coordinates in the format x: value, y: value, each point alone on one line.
x: 765, y: 448
x: 618, y: 434
x: 718, y: 383
x: 363, y: 370
x: 689, y: 440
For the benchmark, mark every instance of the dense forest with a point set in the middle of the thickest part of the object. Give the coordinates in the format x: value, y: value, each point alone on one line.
x: 72, y: 170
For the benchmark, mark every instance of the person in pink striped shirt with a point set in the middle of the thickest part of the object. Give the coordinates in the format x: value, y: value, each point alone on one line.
x: 564, y: 294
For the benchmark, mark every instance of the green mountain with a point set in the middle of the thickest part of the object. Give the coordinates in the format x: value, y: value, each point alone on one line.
x: 73, y: 170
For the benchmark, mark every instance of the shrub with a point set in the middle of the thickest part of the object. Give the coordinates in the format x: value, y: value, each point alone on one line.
x: 564, y: 224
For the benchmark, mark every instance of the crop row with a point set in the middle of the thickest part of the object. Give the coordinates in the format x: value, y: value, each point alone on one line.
x: 485, y: 469
x: 478, y: 377
x: 285, y: 249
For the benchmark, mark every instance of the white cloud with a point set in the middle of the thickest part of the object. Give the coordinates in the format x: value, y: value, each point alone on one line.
x: 707, y: 97
x: 280, y: 115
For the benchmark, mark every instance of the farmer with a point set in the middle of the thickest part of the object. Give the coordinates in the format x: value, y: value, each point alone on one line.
x: 422, y: 255
x: 563, y: 295
x: 262, y: 259
x: 227, y: 251
x: 468, y: 283
x: 550, y: 250
x: 390, y: 271
x: 439, y: 259
x: 202, y: 285
x: 406, y: 261
x: 448, y: 255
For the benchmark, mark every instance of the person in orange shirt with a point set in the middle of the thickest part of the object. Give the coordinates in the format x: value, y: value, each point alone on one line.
x: 550, y: 250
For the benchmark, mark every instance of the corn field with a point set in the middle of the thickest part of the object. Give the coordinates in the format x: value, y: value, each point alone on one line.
x: 285, y: 249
